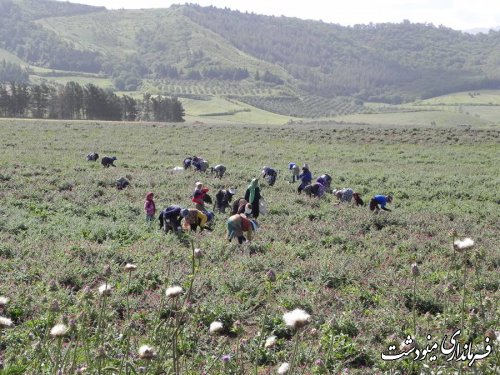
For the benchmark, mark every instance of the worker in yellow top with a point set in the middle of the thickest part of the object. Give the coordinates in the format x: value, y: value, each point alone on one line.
x: 194, y: 218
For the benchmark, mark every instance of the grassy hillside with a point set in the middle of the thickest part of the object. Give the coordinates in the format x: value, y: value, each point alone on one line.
x: 231, y: 111
x: 8, y: 56
x: 62, y: 221
x: 174, y: 39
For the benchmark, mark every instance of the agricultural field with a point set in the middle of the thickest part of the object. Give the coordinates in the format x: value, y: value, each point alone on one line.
x: 66, y: 234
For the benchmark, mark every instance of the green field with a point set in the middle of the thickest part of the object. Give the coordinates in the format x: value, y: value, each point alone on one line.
x: 62, y: 222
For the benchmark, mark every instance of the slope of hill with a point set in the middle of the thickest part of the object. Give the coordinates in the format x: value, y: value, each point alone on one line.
x: 19, y: 34
x: 283, y: 65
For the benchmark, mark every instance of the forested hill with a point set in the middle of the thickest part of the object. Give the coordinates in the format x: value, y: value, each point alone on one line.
x: 29, y: 41
x: 407, y: 59
x: 245, y: 54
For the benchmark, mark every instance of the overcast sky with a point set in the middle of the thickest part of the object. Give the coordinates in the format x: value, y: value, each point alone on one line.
x: 457, y: 14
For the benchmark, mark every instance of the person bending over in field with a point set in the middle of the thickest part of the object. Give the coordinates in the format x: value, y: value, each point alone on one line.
x: 170, y: 219
x: 269, y: 175
x: 219, y: 170
x: 93, y: 156
x: 238, y: 206
x: 305, y: 178
x: 199, y: 196
x: 347, y: 195
x: 200, y: 164
x: 325, y: 180
x: 108, y: 161
x: 187, y: 162
x: 194, y: 218
x: 252, y: 196
x: 316, y: 190
x: 237, y: 225
x: 379, y: 202
x: 122, y: 183
x: 223, y: 198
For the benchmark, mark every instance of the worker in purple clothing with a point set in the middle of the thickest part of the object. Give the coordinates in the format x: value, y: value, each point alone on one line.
x: 305, y: 178
x: 380, y: 200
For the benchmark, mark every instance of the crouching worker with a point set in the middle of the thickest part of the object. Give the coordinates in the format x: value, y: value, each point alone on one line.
x: 269, y: 175
x: 347, y: 195
x: 170, y: 219
x: 200, y: 164
x: 237, y: 225
x: 316, y: 190
x: 194, y: 218
x: 379, y: 202
x: 219, y: 170
x: 187, y: 163
x: 238, y: 206
x: 305, y: 178
x: 325, y: 180
x: 199, y: 196
x: 295, y: 170
x: 223, y: 198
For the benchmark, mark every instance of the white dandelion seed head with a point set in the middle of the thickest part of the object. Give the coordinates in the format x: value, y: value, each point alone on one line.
x: 105, y: 290
x: 198, y: 253
x: 283, y: 369
x: 146, y: 352
x: 3, y: 301
x: 129, y: 267
x: 270, y: 342
x: 5, y: 322
x: 173, y: 291
x: 296, y: 319
x: 464, y: 244
x: 414, y: 270
x: 59, y: 330
x: 216, y: 327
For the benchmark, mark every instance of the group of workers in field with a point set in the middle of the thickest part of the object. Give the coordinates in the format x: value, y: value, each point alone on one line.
x: 242, y: 222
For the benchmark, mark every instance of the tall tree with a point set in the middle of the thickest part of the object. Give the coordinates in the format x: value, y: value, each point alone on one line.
x: 39, y: 100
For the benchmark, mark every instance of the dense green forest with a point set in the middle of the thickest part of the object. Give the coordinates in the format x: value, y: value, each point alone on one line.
x: 288, y: 58
x: 75, y: 102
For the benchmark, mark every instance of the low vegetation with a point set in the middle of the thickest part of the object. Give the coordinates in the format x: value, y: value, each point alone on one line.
x: 92, y: 289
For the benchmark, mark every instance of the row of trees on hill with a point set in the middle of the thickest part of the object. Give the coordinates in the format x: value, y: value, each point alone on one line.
x: 74, y: 102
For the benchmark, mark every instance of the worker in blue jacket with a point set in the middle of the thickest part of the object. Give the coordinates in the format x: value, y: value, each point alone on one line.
x: 305, y: 178
x: 379, y: 202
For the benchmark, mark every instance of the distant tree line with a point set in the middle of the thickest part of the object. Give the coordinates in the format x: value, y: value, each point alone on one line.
x: 74, y: 102
x: 12, y: 72
x: 163, y: 71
